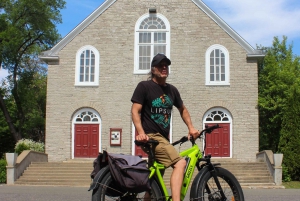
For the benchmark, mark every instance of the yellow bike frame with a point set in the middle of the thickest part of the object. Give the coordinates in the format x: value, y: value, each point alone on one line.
x: 191, y: 155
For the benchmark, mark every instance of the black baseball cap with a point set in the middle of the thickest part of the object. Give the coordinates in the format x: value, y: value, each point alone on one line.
x: 158, y: 58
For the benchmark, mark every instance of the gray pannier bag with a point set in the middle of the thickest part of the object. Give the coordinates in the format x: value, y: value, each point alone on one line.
x: 130, y: 172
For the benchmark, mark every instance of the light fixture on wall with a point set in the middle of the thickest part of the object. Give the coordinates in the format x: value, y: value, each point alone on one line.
x: 152, y: 10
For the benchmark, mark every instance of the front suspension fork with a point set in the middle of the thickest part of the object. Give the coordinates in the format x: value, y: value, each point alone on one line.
x: 212, y: 170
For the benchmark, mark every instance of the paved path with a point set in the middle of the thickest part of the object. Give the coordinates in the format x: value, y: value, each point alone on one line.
x: 56, y: 193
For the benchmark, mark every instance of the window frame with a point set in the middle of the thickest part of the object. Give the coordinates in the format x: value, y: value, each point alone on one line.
x: 97, y: 67
x: 207, y: 66
x: 136, y: 40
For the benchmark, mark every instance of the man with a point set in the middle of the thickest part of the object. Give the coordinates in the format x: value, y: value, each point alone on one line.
x: 151, y: 114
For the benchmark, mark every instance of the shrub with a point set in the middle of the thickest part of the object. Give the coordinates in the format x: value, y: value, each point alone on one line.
x: 3, y: 170
x: 27, y: 144
x: 286, y: 177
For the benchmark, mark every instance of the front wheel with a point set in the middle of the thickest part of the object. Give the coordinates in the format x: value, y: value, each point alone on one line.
x: 205, y: 189
x: 109, y: 191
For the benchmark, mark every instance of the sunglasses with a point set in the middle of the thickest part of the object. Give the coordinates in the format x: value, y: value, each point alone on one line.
x: 161, y: 65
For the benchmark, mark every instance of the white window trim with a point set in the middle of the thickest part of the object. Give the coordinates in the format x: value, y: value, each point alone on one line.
x: 90, y: 122
x: 207, y: 66
x: 219, y: 122
x: 97, y: 67
x: 136, y: 41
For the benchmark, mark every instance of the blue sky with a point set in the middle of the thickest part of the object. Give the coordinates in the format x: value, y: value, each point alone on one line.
x: 257, y: 21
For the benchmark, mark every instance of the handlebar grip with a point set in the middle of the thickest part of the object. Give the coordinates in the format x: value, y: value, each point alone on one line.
x: 210, y: 129
x: 215, y: 126
x: 182, y: 140
x: 154, y: 142
x: 139, y: 143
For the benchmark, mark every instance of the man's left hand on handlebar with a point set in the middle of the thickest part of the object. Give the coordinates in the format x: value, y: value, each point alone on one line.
x: 142, y: 137
x: 193, y: 132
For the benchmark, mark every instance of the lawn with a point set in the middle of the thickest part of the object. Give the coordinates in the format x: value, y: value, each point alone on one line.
x: 291, y: 184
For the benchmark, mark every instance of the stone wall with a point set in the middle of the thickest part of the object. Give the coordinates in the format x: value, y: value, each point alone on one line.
x: 112, y: 34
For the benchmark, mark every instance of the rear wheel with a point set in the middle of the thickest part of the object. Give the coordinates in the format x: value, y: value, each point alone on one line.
x: 109, y: 191
x: 207, y: 190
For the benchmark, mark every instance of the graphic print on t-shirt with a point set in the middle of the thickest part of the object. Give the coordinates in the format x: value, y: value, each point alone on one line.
x: 161, y: 110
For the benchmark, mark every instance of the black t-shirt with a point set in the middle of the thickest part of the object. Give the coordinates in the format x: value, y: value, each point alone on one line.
x: 157, y: 104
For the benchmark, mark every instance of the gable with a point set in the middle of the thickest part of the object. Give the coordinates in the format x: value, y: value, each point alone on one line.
x: 52, y: 54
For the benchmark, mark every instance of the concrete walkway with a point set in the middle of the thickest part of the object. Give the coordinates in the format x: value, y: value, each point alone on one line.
x: 56, y: 193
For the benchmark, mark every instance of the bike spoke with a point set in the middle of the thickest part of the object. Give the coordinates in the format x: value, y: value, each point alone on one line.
x: 215, y: 192
x: 210, y: 191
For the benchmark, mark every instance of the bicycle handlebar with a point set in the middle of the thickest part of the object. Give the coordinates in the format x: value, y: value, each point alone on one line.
x: 210, y: 129
x: 182, y: 140
x: 185, y: 138
x: 140, y: 143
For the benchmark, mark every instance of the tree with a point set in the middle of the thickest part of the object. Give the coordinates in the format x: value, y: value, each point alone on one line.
x: 279, y: 105
x: 289, y: 143
x: 6, y: 140
x: 277, y: 73
x: 32, y: 92
x: 27, y: 27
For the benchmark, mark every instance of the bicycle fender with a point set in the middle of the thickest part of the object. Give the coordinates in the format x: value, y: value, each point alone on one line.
x: 196, y: 180
x: 99, y: 176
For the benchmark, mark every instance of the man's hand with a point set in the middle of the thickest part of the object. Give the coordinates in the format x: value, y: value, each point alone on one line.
x: 142, y: 137
x: 193, y: 132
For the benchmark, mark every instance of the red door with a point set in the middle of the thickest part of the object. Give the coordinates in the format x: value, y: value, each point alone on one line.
x: 218, y: 142
x: 86, y: 140
x: 138, y: 150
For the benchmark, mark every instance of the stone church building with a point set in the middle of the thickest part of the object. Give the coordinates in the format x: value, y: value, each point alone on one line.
x: 93, y: 71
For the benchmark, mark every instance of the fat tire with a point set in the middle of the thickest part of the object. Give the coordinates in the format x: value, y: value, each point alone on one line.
x: 229, y: 184
x: 97, y: 193
x: 109, y: 191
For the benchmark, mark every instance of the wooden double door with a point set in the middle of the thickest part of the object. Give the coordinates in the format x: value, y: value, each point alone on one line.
x: 138, y: 150
x: 218, y: 142
x: 86, y: 142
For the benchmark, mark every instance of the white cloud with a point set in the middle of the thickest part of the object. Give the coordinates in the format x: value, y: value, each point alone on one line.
x: 258, y: 21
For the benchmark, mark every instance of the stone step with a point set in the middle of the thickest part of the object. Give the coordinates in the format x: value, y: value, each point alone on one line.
x: 261, y: 186
x: 249, y: 175
x: 63, y: 169
x: 56, y: 179
x: 46, y: 178
x: 54, y: 172
x: 58, y: 176
x: 50, y: 183
x: 61, y: 164
x: 70, y: 173
x: 77, y: 173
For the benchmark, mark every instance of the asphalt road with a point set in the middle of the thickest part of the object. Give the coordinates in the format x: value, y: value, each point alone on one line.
x: 56, y: 193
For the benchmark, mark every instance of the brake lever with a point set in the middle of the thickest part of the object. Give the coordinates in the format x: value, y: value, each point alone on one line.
x: 192, y: 139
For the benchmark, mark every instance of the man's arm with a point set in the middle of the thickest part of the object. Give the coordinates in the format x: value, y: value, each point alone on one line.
x: 185, y: 115
x: 136, y: 118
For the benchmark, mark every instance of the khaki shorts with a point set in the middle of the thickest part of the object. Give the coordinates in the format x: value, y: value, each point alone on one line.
x: 165, y: 153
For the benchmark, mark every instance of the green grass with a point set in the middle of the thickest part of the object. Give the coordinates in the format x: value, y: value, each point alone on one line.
x: 291, y: 184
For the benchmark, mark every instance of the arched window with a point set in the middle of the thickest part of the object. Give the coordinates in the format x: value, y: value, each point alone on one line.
x: 217, y: 65
x: 152, y: 36
x: 217, y: 115
x: 87, y: 116
x: 87, y: 66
